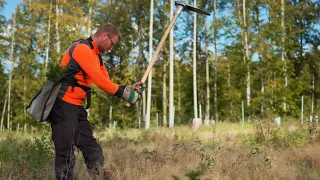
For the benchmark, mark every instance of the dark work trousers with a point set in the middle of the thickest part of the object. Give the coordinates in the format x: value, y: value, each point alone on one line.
x: 70, y: 127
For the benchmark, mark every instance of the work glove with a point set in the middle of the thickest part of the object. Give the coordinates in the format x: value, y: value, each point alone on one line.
x: 130, y: 95
x: 139, y: 87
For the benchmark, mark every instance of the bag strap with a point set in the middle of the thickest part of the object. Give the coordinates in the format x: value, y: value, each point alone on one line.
x: 89, y: 41
x: 85, y: 88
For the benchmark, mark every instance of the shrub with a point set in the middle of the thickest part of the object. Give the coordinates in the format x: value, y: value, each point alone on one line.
x: 38, y: 153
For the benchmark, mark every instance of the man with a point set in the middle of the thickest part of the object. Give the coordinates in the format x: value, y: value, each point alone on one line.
x: 68, y: 118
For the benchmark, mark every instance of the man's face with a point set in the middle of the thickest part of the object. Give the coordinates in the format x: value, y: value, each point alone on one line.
x: 107, y: 42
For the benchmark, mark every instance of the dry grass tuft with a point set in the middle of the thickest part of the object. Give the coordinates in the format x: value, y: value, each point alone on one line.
x: 227, y: 152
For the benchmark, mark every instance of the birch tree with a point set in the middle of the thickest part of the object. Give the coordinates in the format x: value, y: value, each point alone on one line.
x: 206, y: 121
x: 260, y: 54
x: 215, y: 60
x: 164, y: 95
x: 247, y: 60
x: 147, y: 123
x: 57, y: 30
x: 195, y: 101
x: 282, y: 54
x: 3, y: 113
x: 10, y: 73
x: 171, y: 108
x: 48, y: 38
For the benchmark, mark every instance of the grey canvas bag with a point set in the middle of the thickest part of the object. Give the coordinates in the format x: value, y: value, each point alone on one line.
x: 41, y: 105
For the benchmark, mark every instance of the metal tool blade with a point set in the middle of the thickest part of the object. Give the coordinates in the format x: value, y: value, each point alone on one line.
x: 191, y: 8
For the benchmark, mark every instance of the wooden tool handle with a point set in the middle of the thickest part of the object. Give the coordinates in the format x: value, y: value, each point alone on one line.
x: 156, y: 53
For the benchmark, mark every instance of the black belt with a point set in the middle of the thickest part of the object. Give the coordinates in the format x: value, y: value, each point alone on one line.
x: 73, y: 83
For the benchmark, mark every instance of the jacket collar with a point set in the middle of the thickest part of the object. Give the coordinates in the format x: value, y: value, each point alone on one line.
x: 94, y: 47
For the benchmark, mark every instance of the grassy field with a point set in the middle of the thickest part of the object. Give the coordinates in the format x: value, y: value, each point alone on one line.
x: 227, y: 151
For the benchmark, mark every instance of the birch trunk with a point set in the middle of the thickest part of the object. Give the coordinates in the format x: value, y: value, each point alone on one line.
x: 229, y: 88
x: 282, y: 54
x: 179, y: 93
x: 247, y: 60
x: 206, y: 120
x: 57, y: 29
x: 195, y: 101
x: 164, y: 95
x: 241, y: 24
x: 3, y: 112
x: 89, y: 22
x: 260, y: 55
x: 141, y: 57
x: 312, y: 96
x: 215, y: 61
x: 24, y: 98
x: 48, y: 36
x: 144, y: 101
x: 110, y: 116
x: 10, y: 74
x: 171, y: 109
x: 147, y: 123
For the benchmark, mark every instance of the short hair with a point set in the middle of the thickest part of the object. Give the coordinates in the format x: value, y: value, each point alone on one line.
x: 109, y: 28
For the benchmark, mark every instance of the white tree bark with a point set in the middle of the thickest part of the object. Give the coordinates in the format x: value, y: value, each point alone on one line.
x: 260, y: 54
x: 215, y: 62
x: 48, y: 36
x: 164, y: 95
x: 57, y: 28
x: 144, y: 102
x: 147, y: 123
x: 246, y: 53
x: 10, y: 74
x: 282, y: 54
x: 207, y: 117
x: 171, y: 109
x: 89, y: 22
x: 312, y: 96
x: 179, y: 91
x: 110, y: 116
x: 3, y: 112
x: 25, y: 81
x: 195, y: 101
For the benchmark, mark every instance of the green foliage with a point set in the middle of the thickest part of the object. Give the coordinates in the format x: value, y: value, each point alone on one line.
x: 39, y: 152
x: 205, y: 162
x: 54, y: 72
x: 295, y: 138
x: 128, y: 60
x: 9, y: 152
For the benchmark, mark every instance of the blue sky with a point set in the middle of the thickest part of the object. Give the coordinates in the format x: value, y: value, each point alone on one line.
x: 10, y: 7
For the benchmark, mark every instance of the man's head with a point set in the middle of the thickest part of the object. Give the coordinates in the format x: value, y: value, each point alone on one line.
x: 106, y: 37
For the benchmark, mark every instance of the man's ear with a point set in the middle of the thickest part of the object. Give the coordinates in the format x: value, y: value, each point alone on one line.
x: 105, y: 35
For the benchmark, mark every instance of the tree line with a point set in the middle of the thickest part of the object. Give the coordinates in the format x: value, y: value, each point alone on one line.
x: 264, y: 53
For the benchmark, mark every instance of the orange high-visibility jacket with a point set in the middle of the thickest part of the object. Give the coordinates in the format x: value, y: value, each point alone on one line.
x: 89, y: 62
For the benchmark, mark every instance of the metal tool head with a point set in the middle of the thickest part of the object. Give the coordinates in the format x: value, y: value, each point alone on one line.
x: 190, y: 8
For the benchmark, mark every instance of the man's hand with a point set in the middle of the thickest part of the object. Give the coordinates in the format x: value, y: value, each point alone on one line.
x: 139, y: 87
x: 130, y: 95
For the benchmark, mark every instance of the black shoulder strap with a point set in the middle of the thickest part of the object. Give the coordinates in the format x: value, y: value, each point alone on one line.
x: 70, y: 54
x: 101, y: 60
x: 88, y: 43
x: 89, y: 40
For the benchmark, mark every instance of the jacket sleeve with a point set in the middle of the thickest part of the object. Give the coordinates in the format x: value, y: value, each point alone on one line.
x: 83, y: 55
x: 104, y: 71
